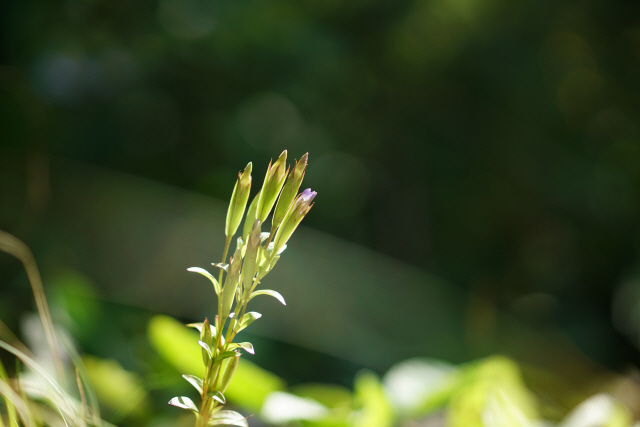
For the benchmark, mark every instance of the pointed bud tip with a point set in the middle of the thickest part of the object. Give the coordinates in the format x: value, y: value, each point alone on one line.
x: 308, y: 195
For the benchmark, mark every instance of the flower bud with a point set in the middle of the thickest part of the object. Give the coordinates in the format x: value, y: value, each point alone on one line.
x: 294, y: 180
x: 273, y: 182
x: 230, y: 364
x: 250, y: 219
x: 238, y: 201
x: 250, y: 258
x: 230, y: 286
x: 296, y: 212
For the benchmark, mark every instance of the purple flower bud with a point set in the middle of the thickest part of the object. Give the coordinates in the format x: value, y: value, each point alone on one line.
x: 307, y: 195
x: 296, y: 212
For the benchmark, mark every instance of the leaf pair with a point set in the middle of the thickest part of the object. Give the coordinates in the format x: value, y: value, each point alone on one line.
x: 218, y: 418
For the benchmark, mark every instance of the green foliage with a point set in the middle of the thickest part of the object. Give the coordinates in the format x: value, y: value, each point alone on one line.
x: 253, y: 258
x: 121, y: 390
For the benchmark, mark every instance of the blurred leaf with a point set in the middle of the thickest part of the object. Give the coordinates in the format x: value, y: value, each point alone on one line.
x: 228, y: 418
x: 274, y: 294
x: 119, y: 389
x: 417, y: 386
x: 491, y: 386
x: 176, y: 344
x: 282, y: 408
x: 330, y: 395
x: 251, y: 385
x: 184, y: 403
x: 375, y: 408
x: 599, y: 410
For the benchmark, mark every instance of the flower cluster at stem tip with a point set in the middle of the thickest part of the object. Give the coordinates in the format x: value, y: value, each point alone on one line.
x: 255, y: 256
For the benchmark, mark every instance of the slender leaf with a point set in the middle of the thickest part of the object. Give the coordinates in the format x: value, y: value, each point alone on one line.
x: 217, y: 395
x: 206, y: 347
x: 224, y: 355
x: 184, y: 403
x: 194, y: 381
x: 274, y: 294
x: 228, y: 418
x: 205, y: 273
x: 247, y: 346
x: 248, y: 319
x: 221, y: 265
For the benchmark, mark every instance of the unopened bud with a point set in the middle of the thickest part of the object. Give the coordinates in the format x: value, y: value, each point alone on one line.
x: 289, y: 191
x: 238, y: 201
x: 230, y: 286
x: 250, y: 219
x: 292, y: 219
x: 250, y: 258
x: 230, y: 364
x: 273, y: 182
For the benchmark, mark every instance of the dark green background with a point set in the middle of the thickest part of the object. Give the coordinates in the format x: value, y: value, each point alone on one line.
x: 494, y: 144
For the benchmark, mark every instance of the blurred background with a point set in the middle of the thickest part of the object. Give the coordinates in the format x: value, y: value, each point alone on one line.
x: 477, y: 165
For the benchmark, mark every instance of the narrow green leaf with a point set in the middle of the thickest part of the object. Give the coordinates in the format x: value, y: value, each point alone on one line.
x: 274, y: 294
x: 217, y: 395
x: 194, y: 381
x: 250, y: 219
x: 243, y: 345
x: 224, y: 355
x: 205, y: 273
x: 176, y: 344
x: 248, y: 319
x: 221, y: 265
x: 206, y: 334
x: 228, y: 418
x: 184, y: 403
x: 198, y: 326
x: 229, y: 288
x: 206, y: 347
x: 248, y: 347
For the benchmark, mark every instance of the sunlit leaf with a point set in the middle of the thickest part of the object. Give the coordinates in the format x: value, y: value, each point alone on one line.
x: 599, y: 410
x: 330, y: 395
x: 224, y: 355
x: 247, y: 346
x: 491, y: 388
x: 184, y: 403
x: 217, y: 395
x: 251, y: 385
x: 419, y: 385
x: 283, y: 408
x: 221, y: 265
x: 116, y: 387
x: 375, y: 409
x: 176, y: 344
x: 248, y: 319
x: 228, y: 418
x: 205, y: 273
x: 274, y: 294
x: 206, y: 347
x: 194, y: 381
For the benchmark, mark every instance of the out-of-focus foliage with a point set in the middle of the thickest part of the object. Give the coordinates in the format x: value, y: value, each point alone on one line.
x: 178, y: 346
x: 492, y: 144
